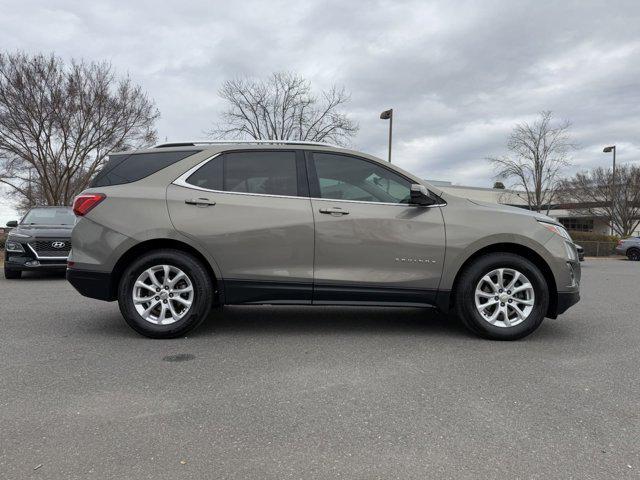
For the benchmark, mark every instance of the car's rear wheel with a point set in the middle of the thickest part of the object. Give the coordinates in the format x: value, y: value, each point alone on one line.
x: 165, y: 294
x: 502, y: 296
x: 12, y: 274
x: 633, y: 254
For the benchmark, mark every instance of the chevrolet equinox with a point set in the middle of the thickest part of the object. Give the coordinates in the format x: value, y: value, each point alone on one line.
x: 172, y: 231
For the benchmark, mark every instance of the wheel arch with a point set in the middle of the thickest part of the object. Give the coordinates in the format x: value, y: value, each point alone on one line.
x: 517, y: 249
x: 162, y: 243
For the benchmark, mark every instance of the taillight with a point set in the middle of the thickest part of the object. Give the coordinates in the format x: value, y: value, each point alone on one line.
x: 84, y: 202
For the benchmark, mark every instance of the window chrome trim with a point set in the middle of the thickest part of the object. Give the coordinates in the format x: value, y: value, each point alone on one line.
x: 181, y: 181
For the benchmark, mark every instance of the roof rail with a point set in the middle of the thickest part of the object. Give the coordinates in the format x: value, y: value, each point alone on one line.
x: 240, y: 142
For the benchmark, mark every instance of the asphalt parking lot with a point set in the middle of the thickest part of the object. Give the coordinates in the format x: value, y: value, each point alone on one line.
x: 283, y: 392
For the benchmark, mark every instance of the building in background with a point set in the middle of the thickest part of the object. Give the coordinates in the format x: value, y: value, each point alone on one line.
x: 567, y: 214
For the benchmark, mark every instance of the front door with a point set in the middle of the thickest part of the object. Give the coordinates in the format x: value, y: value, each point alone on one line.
x: 371, y: 245
x: 251, y: 211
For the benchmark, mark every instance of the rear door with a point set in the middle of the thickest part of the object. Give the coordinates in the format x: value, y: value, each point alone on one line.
x: 251, y: 211
x: 372, y: 247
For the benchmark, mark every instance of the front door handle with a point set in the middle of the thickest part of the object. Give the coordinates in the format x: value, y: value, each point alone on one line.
x: 336, y: 211
x: 200, y: 202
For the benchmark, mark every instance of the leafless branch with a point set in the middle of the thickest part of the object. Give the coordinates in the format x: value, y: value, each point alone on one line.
x: 590, y: 192
x: 538, y: 154
x: 283, y: 107
x: 58, y: 122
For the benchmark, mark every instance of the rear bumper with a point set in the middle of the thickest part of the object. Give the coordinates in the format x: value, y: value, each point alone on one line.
x: 91, y: 284
x: 621, y: 251
x: 566, y: 300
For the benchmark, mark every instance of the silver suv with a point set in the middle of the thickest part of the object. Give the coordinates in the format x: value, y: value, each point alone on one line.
x: 629, y: 247
x: 172, y: 231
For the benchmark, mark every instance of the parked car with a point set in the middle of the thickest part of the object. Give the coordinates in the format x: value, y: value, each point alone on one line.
x: 171, y: 231
x: 629, y: 247
x: 580, y: 251
x: 40, y: 241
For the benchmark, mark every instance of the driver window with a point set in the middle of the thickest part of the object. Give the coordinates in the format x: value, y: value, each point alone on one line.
x: 348, y: 178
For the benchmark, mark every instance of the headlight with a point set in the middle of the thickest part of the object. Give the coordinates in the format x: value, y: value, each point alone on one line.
x: 19, y: 235
x: 556, y: 229
x: 10, y: 246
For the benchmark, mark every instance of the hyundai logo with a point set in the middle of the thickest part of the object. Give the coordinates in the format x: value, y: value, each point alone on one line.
x: 57, y: 244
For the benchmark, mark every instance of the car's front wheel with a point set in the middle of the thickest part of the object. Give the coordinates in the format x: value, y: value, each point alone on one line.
x: 633, y: 254
x: 165, y: 294
x: 502, y: 296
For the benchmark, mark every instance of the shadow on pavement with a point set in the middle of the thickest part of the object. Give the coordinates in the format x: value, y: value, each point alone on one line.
x: 319, y: 320
x: 267, y: 320
x: 35, y: 276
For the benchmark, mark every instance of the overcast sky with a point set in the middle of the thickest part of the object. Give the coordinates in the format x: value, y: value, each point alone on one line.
x: 458, y: 74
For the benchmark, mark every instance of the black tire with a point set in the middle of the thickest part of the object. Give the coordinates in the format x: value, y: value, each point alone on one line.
x: 203, y: 293
x: 633, y: 254
x: 12, y: 274
x: 465, y: 307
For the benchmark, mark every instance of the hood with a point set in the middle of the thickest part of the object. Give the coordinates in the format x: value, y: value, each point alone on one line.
x: 58, y: 231
x: 516, y: 210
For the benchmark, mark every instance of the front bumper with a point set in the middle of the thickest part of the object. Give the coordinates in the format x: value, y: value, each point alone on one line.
x: 19, y: 261
x: 566, y: 300
x: 92, y: 284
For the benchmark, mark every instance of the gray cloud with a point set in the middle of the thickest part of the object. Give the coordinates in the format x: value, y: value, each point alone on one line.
x: 458, y: 74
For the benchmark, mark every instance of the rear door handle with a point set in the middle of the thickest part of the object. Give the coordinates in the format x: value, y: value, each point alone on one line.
x: 334, y: 211
x: 200, y: 202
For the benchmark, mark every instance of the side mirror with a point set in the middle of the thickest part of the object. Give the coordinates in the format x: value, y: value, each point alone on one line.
x: 12, y: 224
x: 420, y: 195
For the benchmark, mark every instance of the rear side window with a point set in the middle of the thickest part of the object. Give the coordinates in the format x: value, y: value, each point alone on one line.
x: 121, y: 169
x: 268, y: 173
x: 209, y: 175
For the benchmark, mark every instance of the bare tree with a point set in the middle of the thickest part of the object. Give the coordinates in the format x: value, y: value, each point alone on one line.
x: 283, y: 107
x: 58, y: 122
x: 538, y: 153
x: 590, y: 193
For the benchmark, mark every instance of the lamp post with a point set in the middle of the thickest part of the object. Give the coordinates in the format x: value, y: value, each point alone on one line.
x: 388, y: 115
x: 612, y: 148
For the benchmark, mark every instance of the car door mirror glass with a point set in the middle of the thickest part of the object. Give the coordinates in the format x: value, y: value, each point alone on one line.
x: 12, y: 223
x: 420, y: 195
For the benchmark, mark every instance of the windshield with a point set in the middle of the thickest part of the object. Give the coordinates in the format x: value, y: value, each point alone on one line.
x: 49, y: 216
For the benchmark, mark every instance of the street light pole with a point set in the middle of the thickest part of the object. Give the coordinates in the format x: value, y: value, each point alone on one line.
x: 388, y: 115
x: 612, y: 148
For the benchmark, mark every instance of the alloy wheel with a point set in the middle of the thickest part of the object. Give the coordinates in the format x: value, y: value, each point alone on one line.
x: 504, y: 297
x: 163, y: 294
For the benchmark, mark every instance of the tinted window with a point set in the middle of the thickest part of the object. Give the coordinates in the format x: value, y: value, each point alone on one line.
x: 49, y: 216
x: 348, y: 178
x: 272, y: 173
x: 209, y: 175
x: 121, y: 169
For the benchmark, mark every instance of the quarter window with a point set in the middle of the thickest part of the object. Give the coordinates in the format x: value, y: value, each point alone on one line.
x: 121, y: 169
x: 209, y: 175
x: 348, y: 178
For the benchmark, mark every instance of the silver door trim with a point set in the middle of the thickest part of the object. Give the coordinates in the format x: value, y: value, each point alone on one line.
x: 181, y: 181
